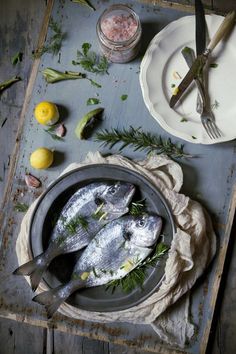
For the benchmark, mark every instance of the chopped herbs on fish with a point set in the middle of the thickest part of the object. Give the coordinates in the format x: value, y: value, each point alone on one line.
x: 137, y: 276
x: 138, y: 208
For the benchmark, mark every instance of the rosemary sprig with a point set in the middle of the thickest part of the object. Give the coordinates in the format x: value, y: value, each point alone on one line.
x: 140, y: 140
x: 54, y: 43
x: 138, y: 208
x: 85, y: 2
x: 79, y: 220
x: 138, y: 275
x: 90, y: 61
x: 21, y: 207
x: 8, y: 83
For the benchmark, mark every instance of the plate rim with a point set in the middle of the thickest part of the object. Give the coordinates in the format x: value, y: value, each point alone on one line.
x: 126, y: 170
x: 143, y: 83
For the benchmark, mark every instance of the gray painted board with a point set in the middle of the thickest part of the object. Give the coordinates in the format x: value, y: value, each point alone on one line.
x: 215, y: 196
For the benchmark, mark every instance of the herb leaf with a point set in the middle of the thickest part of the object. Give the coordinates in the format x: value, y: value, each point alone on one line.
x: 123, y: 97
x: 90, y: 61
x: 138, y: 275
x: 5, y: 84
x: 53, y: 135
x: 215, y: 105
x: 52, y: 76
x: 72, y: 226
x: 213, y: 65
x: 54, y: 43
x: 84, y: 2
x: 21, y: 207
x: 92, y: 101
x: 183, y: 120
x: 141, y: 141
x: 94, y: 83
x: 17, y: 58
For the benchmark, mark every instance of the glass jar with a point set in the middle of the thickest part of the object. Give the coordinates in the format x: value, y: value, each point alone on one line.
x: 119, y: 33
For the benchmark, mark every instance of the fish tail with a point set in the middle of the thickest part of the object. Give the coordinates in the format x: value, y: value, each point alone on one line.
x: 34, y: 269
x: 52, y: 299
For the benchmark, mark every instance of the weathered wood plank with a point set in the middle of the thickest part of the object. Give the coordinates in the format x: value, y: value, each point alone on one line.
x: 19, y: 28
x: 21, y: 339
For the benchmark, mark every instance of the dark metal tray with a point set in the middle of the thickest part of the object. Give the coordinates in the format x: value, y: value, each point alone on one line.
x: 59, y: 271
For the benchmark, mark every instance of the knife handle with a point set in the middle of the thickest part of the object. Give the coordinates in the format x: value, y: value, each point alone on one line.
x: 225, y: 26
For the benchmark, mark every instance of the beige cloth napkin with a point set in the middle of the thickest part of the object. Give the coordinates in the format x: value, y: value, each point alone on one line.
x: 187, y: 258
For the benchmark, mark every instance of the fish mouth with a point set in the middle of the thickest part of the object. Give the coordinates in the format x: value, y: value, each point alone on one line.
x: 129, y: 195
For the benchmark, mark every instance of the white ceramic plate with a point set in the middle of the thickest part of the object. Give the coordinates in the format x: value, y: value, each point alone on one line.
x: 163, y: 57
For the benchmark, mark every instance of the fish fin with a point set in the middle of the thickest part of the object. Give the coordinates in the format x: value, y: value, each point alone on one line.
x: 52, y: 299
x: 34, y: 269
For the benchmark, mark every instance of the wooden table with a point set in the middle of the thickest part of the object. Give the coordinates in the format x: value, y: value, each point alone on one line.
x: 217, y: 196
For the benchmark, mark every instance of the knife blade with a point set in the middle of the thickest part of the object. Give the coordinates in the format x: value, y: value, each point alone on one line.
x: 200, y: 61
x: 200, y: 27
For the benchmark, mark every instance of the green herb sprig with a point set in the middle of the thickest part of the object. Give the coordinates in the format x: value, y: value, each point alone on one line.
x: 5, y: 84
x: 90, y: 61
x: 51, y: 132
x: 140, y: 140
x: 137, y: 276
x: 54, y: 43
x: 21, y: 207
x: 72, y: 226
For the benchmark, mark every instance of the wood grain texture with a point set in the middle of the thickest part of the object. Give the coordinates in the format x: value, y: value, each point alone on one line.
x: 21, y: 339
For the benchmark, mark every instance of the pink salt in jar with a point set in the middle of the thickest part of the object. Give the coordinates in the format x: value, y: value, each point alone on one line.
x: 119, y: 33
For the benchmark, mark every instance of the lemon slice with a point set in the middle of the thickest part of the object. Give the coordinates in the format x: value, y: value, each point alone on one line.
x: 41, y: 158
x: 46, y: 113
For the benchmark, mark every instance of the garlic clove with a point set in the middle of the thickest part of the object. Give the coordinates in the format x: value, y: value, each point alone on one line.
x: 32, y: 181
x: 60, y: 130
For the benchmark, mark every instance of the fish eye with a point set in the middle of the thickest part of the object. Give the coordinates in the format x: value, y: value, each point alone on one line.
x: 112, y: 190
x: 141, y: 223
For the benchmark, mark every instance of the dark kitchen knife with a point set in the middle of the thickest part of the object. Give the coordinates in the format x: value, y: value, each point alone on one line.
x: 201, y: 59
x: 200, y: 28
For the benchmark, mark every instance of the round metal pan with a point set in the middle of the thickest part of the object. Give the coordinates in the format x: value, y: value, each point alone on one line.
x: 59, y: 271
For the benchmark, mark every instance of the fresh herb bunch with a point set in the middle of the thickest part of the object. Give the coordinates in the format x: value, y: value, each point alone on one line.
x: 140, y: 140
x: 90, y: 61
x: 54, y: 43
x: 138, y: 275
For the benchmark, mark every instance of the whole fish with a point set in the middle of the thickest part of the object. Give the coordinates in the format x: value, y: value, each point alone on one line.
x: 86, y: 212
x: 116, y: 250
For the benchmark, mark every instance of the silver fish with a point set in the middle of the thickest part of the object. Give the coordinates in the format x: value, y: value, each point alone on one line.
x: 86, y: 212
x: 116, y: 250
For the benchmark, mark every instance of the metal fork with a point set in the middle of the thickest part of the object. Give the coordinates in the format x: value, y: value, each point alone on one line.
x: 203, y: 108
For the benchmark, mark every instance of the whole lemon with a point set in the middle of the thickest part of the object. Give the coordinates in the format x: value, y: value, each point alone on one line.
x: 46, y: 113
x: 41, y: 158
